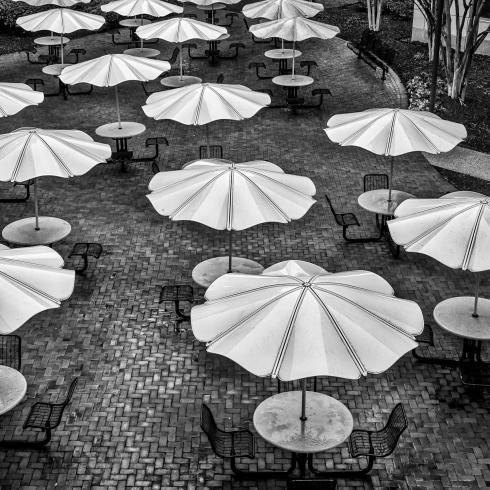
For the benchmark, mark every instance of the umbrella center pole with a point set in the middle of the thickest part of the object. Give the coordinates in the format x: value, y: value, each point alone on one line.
x: 391, y: 180
x: 180, y: 61
x: 117, y: 109
x: 230, y: 246
x: 477, y: 292
x: 303, y: 417
x: 292, y: 69
x: 36, y: 207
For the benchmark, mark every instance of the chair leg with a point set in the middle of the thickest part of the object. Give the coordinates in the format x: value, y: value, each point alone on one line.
x: 180, y: 313
x: 359, y: 240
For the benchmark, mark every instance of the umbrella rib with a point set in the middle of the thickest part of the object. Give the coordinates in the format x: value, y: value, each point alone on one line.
x: 260, y: 288
x: 22, y: 285
x: 198, y: 108
x: 287, y: 335
x: 359, y: 131
x: 60, y: 161
x: 392, y: 132
x: 369, y: 312
x: 229, y: 210
x: 20, y: 158
x: 249, y: 316
x: 422, y: 134
x: 472, y: 239
x: 226, y: 102
x: 277, y: 182
x: 342, y: 336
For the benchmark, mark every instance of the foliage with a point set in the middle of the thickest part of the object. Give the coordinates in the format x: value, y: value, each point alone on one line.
x: 401, y: 8
x: 418, y: 90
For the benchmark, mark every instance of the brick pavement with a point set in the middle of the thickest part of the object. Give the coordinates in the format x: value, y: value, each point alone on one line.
x: 134, y: 420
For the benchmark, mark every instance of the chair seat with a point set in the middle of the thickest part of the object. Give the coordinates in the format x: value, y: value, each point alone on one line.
x: 348, y: 219
x: 177, y: 292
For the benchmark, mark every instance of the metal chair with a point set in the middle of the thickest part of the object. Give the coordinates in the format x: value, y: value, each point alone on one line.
x: 221, y: 78
x: 257, y: 66
x: 85, y: 250
x: 155, y: 143
x: 475, y: 374
x: 11, y: 351
x: 45, y: 417
x: 77, y: 52
x: 25, y: 197
x: 34, y: 82
x: 321, y: 92
x: 309, y: 64
x: 177, y: 293
x: 373, y: 182
x: 426, y: 337
x: 232, y: 444
x: 215, y: 151
x: 381, y: 443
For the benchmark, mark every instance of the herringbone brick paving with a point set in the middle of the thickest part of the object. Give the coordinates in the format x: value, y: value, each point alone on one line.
x: 134, y: 420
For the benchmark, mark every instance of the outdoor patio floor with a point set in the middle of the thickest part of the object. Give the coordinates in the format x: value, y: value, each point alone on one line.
x: 134, y: 419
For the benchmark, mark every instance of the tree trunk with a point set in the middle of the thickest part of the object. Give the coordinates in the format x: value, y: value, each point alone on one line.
x: 374, y: 8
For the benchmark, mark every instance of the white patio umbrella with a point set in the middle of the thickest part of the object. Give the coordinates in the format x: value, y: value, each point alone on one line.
x: 392, y: 132
x: 202, y: 103
x: 155, y: 8
x: 296, y: 320
x: 62, y: 21
x: 112, y: 69
x: 31, y: 280
x: 59, y: 3
x: 454, y: 229
x: 231, y: 196
x: 28, y: 153
x: 180, y: 30
x: 280, y: 9
x: 15, y: 96
x: 294, y: 29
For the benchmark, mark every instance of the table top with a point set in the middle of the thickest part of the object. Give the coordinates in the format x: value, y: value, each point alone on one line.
x: 134, y: 22
x: 50, y: 40
x: 224, y: 36
x: 178, y: 81
x: 55, y: 69
x: 289, y: 81
x: 455, y: 315
x: 376, y: 201
x: 282, y: 54
x: 23, y: 232
x: 214, y: 6
x: 209, y: 270
x: 142, y: 52
x: 328, y: 423
x: 13, y: 387
x: 127, y: 130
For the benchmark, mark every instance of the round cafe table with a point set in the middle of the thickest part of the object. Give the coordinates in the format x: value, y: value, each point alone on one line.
x: 292, y: 83
x: 133, y: 24
x: 142, y: 52
x: 120, y: 134
x: 13, y: 387
x: 283, y: 55
x: 23, y: 231
x: 328, y: 423
x: 209, y: 9
x: 176, y: 81
x: 53, y: 43
x: 376, y: 201
x: 209, y: 270
x: 55, y: 71
x: 455, y: 315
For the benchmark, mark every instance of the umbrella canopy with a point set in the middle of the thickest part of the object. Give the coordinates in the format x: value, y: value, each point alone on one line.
x: 392, y: 132
x: 202, y: 103
x: 59, y: 3
x: 212, y: 2
x: 454, y: 229
x: 60, y: 20
x: 180, y: 30
x: 27, y: 153
x: 155, y: 8
x: 280, y: 9
x: 231, y: 196
x: 294, y: 29
x: 31, y: 280
x: 15, y: 96
x: 296, y: 320
x: 111, y: 69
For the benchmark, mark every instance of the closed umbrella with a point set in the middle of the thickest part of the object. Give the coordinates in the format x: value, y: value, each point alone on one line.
x: 294, y: 29
x: 202, y: 103
x: 392, y: 132
x: 28, y: 153
x: 15, y: 96
x: 231, y: 196
x: 31, y: 280
x: 62, y: 21
x: 454, y: 229
x: 180, y: 30
x: 296, y: 320
x: 112, y: 69
x: 280, y: 9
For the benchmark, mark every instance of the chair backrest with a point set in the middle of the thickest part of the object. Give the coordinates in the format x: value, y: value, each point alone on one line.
x: 220, y: 78
x: 391, y: 432
x: 375, y: 181
x: 335, y: 214
x: 215, y: 435
x: 173, y: 58
x: 10, y: 351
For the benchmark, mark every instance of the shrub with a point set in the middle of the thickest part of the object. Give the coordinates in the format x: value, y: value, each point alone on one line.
x: 418, y: 89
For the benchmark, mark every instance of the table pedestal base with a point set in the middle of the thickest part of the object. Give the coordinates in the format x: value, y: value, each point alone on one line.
x: 23, y: 232
x: 209, y: 270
